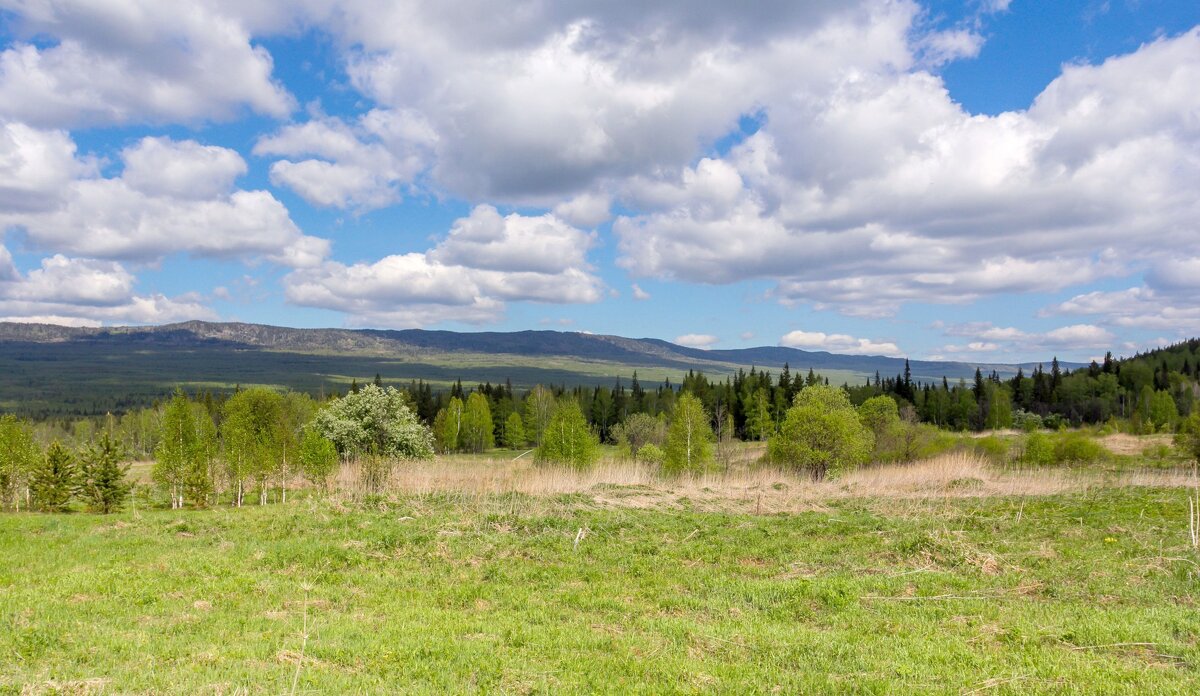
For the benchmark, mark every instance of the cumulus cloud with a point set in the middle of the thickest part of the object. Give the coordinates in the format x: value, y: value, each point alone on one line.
x: 839, y: 343
x: 361, y: 165
x: 1136, y: 308
x: 485, y: 260
x: 702, y: 341
x: 997, y: 340
x: 638, y: 293
x: 134, y: 61
x: 173, y: 196
x: 883, y: 191
x: 87, y: 292
x: 35, y: 166
x: 187, y: 169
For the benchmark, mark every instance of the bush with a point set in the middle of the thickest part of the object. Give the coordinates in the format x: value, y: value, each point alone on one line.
x: 651, y: 454
x: 1062, y: 448
x: 821, y: 434
x: 1078, y: 448
x: 1188, y: 437
x: 375, y: 420
x: 993, y: 448
x: 1039, y: 450
x: 1029, y: 422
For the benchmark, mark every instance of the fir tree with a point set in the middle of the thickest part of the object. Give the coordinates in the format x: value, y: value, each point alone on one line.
x: 102, y: 475
x: 54, y: 480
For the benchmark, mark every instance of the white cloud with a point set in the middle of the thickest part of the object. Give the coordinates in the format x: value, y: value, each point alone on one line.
x: 187, y: 169
x: 35, y: 166
x: 485, y: 261
x: 173, y: 196
x: 133, y: 61
x: 943, y: 47
x: 638, y: 293
x: 702, y: 341
x: 1137, y: 308
x: 839, y: 343
x: 87, y: 292
x: 1079, y: 336
x: 362, y: 165
x: 585, y: 210
x: 514, y: 243
x: 882, y: 190
x: 1007, y: 340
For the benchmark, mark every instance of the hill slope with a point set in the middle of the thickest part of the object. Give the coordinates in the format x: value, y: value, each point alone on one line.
x: 47, y: 369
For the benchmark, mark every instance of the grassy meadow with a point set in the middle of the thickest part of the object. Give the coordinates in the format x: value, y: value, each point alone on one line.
x: 487, y: 575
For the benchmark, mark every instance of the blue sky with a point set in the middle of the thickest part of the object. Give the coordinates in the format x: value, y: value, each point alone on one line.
x: 982, y: 180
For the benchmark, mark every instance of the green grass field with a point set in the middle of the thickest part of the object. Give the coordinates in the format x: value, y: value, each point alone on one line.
x: 1089, y: 591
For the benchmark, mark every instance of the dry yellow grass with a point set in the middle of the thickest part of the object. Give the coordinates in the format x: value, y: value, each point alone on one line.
x: 745, y: 488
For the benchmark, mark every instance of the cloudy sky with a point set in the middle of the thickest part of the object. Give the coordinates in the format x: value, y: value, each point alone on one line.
x: 979, y: 179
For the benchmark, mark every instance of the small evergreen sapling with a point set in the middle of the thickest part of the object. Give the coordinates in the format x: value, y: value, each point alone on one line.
x: 102, y: 475
x: 54, y: 480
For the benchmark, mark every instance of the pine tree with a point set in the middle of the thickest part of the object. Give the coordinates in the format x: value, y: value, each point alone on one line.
x: 54, y: 480
x: 102, y: 475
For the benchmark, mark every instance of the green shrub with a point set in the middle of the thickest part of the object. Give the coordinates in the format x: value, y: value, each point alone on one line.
x: 1029, y: 422
x: 651, y: 454
x: 1039, y: 450
x: 993, y: 448
x: 1078, y: 448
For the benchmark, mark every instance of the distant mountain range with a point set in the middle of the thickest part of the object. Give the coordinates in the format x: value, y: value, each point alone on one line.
x: 468, y: 352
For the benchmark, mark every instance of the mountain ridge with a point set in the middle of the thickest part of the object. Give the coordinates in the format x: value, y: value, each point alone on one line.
x: 413, y: 343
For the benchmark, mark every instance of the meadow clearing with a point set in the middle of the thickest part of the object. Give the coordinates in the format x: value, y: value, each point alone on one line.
x: 480, y: 574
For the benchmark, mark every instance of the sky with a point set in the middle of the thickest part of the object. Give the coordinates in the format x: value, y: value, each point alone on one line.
x: 979, y: 180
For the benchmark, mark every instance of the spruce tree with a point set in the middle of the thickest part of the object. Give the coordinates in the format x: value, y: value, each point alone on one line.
x: 54, y: 480
x: 102, y: 475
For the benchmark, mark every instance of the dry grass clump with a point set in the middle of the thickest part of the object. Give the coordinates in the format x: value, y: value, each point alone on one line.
x: 1123, y: 443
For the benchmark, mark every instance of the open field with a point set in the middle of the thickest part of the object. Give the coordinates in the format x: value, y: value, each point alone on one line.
x: 485, y: 575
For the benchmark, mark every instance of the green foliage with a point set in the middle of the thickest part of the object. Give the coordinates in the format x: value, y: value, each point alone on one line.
x: 689, y: 438
x: 567, y: 438
x: 19, y: 456
x: 1078, y: 448
x: 253, y: 430
x: 1039, y: 450
x: 514, y: 431
x: 54, y: 480
x: 1163, y: 413
x: 994, y: 448
x: 447, y: 426
x: 1187, y: 439
x: 638, y: 430
x: 880, y: 414
x: 375, y: 420
x: 103, y: 472
x: 186, y: 451
x: 1042, y: 449
x: 821, y: 434
x: 999, y: 415
x: 651, y: 453
x: 477, y: 434
x: 539, y: 407
x: 1026, y: 421
x: 759, y: 423
x: 318, y: 457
